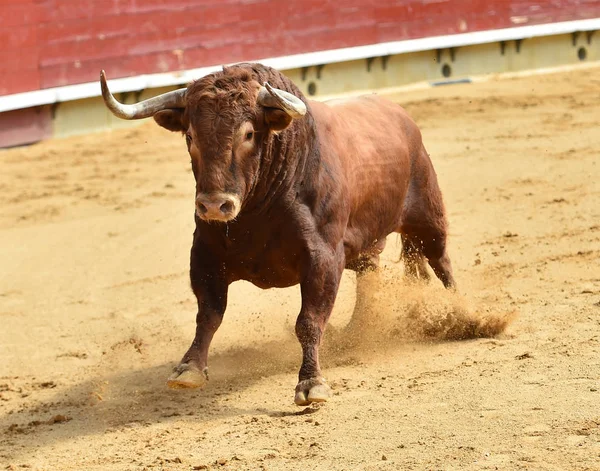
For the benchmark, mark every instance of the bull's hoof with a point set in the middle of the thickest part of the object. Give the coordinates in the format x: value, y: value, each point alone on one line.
x: 311, y: 390
x: 186, y: 376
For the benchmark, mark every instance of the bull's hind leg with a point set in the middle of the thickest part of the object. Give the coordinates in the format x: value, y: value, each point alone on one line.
x: 442, y: 267
x: 415, y: 267
x: 430, y: 244
x: 367, y: 282
x: 423, y: 225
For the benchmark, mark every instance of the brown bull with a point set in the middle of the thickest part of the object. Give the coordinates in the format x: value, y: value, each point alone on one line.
x: 291, y: 191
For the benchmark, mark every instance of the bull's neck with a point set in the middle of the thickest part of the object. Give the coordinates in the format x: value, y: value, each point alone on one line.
x: 284, y: 159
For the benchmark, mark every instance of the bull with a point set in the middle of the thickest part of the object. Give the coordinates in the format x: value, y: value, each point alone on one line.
x: 291, y: 191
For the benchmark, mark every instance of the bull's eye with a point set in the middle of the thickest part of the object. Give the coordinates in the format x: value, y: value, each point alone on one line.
x: 249, y: 135
x: 188, y: 140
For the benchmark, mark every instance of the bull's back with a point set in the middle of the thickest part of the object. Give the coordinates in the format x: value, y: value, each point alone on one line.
x: 374, y: 141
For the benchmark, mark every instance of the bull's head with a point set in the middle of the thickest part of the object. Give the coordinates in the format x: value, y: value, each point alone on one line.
x: 226, y: 122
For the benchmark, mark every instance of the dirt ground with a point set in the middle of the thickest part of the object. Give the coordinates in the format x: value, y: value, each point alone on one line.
x: 96, y: 309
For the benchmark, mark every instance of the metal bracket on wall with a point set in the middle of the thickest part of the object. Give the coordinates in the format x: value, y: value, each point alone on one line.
x: 53, y: 108
x: 369, y: 63
x: 452, y: 54
x: 319, y: 69
x: 451, y: 50
x: 589, y: 35
x: 518, y: 45
x: 574, y: 38
x: 384, y: 62
x: 304, y: 73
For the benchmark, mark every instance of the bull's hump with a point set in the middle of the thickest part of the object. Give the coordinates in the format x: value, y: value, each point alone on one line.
x: 334, y: 102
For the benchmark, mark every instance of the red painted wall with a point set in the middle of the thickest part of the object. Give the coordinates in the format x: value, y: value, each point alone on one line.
x: 50, y: 43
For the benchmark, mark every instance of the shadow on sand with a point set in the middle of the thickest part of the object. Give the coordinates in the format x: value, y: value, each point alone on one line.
x: 117, y: 396
x: 111, y: 401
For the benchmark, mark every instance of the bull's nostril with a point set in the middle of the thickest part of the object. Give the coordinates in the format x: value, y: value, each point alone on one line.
x: 216, y: 207
x: 227, y: 207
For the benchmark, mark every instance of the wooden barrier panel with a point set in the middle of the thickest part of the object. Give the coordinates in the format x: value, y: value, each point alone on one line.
x: 25, y: 126
x: 51, y: 43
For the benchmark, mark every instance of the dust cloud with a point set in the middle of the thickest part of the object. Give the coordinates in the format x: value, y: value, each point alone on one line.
x: 390, y: 309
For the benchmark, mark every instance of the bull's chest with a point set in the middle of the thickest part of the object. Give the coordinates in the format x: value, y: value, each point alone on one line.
x: 268, y: 259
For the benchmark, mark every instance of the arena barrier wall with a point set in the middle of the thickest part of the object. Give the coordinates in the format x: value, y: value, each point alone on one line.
x: 52, y: 50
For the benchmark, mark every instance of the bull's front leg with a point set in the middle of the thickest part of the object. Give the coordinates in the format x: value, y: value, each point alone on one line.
x: 319, y: 289
x: 210, y: 289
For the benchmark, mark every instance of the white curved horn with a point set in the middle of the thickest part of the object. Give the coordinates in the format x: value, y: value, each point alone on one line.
x: 275, y: 98
x: 143, y: 109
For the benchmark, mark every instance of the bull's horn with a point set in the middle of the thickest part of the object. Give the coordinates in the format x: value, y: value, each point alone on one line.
x: 143, y: 109
x: 274, y: 98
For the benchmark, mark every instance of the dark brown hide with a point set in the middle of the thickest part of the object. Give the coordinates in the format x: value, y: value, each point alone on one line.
x: 318, y: 194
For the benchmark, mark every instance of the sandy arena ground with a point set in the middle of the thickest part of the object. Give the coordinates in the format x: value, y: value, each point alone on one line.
x: 96, y: 309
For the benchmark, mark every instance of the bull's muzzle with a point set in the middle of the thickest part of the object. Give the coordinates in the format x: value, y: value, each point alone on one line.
x: 217, y: 206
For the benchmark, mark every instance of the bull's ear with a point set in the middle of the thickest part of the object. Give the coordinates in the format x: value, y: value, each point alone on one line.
x: 171, y: 119
x: 277, y: 120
